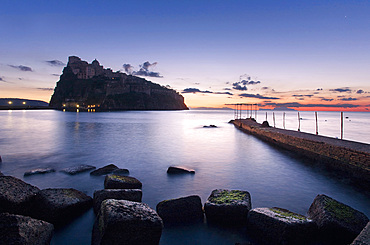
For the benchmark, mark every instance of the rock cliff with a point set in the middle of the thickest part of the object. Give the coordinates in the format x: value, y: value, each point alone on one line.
x: 90, y: 87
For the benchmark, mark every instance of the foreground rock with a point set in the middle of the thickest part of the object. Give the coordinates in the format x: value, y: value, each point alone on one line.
x: 280, y: 226
x: 180, y: 170
x: 18, y: 229
x: 364, y: 237
x: 104, y: 170
x: 1, y: 174
x: 337, y: 222
x: 59, y: 206
x: 181, y: 210
x: 134, y: 195
x: 39, y: 171
x: 78, y: 169
x: 228, y: 206
x: 126, y: 222
x: 114, y: 181
x: 15, y: 195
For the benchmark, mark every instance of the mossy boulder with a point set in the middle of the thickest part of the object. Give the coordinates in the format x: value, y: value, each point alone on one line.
x: 126, y: 222
x: 134, y: 195
x: 121, y: 171
x: 18, y: 229
x: 59, y: 206
x: 16, y: 195
x: 104, y: 170
x: 280, y: 226
x: 228, y: 206
x: 338, y: 223
x: 114, y: 181
x: 181, y: 210
x: 364, y: 237
x: 78, y: 169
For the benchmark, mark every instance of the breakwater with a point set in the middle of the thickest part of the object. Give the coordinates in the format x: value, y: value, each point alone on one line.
x: 351, y: 158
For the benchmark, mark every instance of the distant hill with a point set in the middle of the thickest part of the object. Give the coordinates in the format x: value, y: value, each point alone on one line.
x: 16, y: 103
x: 90, y: 87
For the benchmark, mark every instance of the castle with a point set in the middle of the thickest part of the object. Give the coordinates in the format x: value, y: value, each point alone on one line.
x: 90, y: 87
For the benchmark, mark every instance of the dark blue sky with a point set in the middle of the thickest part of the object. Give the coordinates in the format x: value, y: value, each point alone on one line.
x: 290, y: 46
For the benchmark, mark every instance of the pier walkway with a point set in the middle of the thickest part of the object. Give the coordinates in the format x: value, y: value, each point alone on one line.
x: 352, y: 158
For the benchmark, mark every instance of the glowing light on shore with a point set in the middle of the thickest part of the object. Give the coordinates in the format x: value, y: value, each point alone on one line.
x: 10, y: 102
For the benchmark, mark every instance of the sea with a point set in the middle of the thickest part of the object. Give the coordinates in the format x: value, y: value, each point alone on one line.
x: 148, y: 142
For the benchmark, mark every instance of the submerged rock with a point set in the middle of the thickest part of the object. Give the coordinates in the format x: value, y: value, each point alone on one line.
x: 280, y: 226
x: 15, y: 195
x: 104, y: 170
x: 134, y: 195
x: 126, y: 222
x: 180, y: 170
x: 228, y: 206
x: 39, y: 171
x: 337, y: 222
x: 59, y: 206
x: 78, y: 169
x: 181, y: 210
x: 364, y: 237
x: 114, y: 181
x: 121, y: 171
x: 18, y: 229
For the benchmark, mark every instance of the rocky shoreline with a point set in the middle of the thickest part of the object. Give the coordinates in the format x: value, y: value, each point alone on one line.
x: 28, y: 215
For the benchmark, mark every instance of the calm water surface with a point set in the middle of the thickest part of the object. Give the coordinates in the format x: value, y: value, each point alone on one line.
x: 147, y: 143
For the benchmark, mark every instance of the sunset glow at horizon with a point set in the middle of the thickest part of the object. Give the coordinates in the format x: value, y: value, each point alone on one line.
x: 303, y: 55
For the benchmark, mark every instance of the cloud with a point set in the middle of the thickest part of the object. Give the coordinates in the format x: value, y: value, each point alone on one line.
x: 128, y: 68
x: 224, y: 93
x: 325, y: 99
x: 302, y: 95
x: 238, y: 86
x: 360, y: 91
x: 348, y: 99
x: 21, y: 68
x: 227, y: 88
x: 258, y: 96
x: 57, y: 75
x: 245, y: 82
x: 45, y: 89
x: 55, y: 63
x: 296, y: 104
x: 319, y: 89
x: 264, y: 88
x: 2, y: 80
x: 144, y: 70
x: 195, y: 90
x: 341, y: 90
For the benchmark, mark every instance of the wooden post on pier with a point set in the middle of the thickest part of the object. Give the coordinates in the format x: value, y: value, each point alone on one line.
x: 266, y: 116
x: 299, y: 122
x: 341, y: 125
x: 317, y: 125
x: 284, y: 120
x: 273, y: 117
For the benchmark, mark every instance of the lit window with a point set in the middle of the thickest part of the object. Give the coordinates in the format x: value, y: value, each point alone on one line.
x: 64, y: 105
x: 10, y: 102
x: 24, y: 103
x: 77, y: 106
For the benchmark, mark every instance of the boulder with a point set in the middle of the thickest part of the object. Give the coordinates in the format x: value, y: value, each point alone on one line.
x: 180, y: 170
x: 337, y: 222
x: 265, y: 124
x: 18, y: 229
x: 181, y: 210
x: 15, y: 195
x: 59, y: 206
x: 104, y: 170
x: 280, y: 226
x: 228, y: 206
x: 134, y: 195
x: 1, y: 174
x: 114, y: 181
x: 77, y: 169
x: 39, y: 171
x: 121, y: 171
x: 364, y: 237
x: 126, y: 222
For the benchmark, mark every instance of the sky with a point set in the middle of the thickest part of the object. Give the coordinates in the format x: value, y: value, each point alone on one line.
x: 305, y: 55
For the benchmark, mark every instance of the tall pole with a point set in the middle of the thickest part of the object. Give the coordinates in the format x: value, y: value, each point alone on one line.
x: 341, y: 125
x: 299, y: 122
x: 284, y: 120
x: 317, y: 124
x: 266, y: 116
x: 256, y: 111
x: 273, y: 115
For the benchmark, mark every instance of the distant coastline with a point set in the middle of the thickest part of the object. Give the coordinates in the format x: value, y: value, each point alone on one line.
x: 22, y: 104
